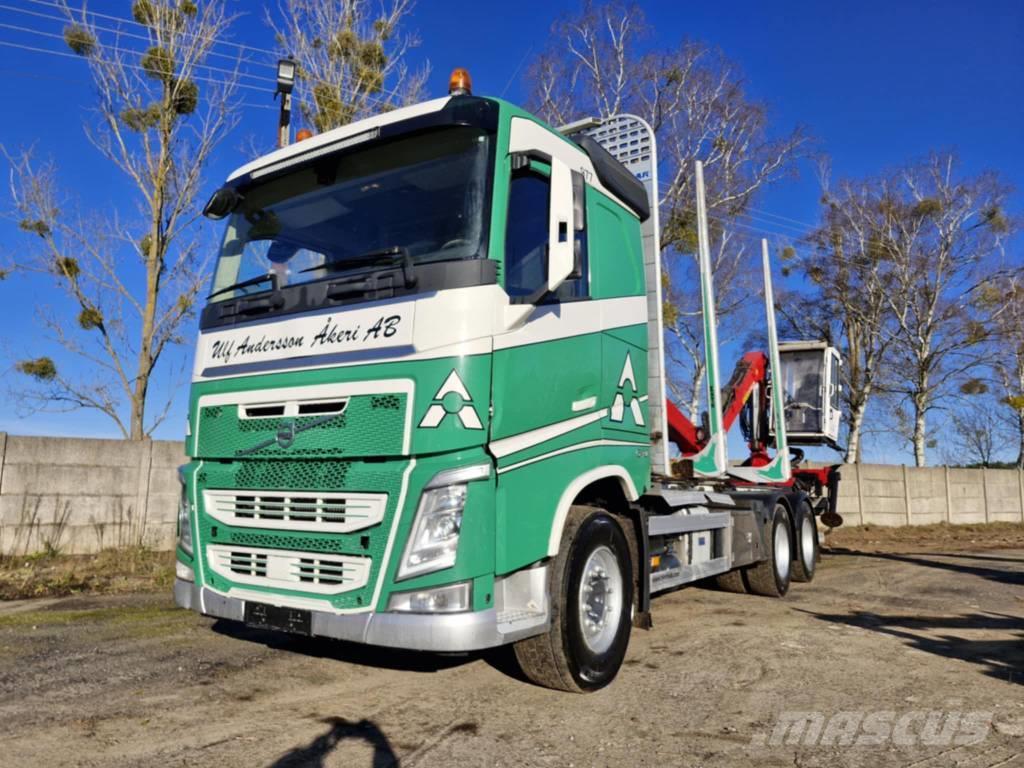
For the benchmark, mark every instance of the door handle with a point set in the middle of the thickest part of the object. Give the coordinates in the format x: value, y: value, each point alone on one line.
x: 584, y: 404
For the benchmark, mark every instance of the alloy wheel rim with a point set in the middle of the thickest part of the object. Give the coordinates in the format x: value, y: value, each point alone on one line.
x: 782, y: 552
x: 807, y: 543
x: 600, y: 599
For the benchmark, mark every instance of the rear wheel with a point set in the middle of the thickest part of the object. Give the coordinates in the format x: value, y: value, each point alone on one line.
x: 771, y: 576
x: 591, y: 588
x: 731, y: 582
x: 806, y: 560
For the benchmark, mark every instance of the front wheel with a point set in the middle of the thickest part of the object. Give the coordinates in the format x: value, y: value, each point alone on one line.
x: 591, y: 589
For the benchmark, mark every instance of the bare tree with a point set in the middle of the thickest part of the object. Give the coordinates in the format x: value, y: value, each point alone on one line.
x: 946, y: 230
x: 683, y: 316
x: 350, y: 55
x: 692, y: 95
x: 848, y: 268
x: 159, y: 118
x: 979, y: 435
x: 590, y: 64
x: 1003, y: 296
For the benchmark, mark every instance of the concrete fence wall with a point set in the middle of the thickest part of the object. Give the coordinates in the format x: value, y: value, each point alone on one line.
x: 79, y: 496
x: 882, y: 494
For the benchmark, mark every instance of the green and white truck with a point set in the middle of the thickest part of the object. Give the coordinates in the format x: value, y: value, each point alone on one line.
x: 428, y: 403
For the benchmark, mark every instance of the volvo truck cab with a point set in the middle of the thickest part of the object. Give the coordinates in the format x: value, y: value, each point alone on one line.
x: 427, y: 406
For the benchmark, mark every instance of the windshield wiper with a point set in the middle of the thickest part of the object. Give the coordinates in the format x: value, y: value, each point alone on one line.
x: 392, y: 254
x: 271, y: 277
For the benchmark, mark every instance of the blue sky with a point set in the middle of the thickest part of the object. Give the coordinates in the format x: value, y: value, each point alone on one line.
x: 876, y: 82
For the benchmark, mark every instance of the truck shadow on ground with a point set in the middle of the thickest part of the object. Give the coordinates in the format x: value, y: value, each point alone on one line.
x: 992, y: 558
x: 1013, y: 577
x: 502, y: 659
x: 1002, y: 659
x: 315, y: 752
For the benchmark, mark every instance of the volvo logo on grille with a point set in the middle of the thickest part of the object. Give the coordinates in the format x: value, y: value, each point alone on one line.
x: 286, y: 434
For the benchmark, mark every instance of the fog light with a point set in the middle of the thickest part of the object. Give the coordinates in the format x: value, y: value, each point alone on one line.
x: 183, y: 572
x: 455, y: 598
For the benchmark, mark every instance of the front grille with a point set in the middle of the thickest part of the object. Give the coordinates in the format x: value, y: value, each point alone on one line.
x: 264, y: 483
x: 324, y: 574
x: 337, y: 421
x: 248, y: 563
x: 296, y: 510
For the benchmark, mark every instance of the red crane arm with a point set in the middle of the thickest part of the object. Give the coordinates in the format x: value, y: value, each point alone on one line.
x: 681, y: 430
x: 750, y: 371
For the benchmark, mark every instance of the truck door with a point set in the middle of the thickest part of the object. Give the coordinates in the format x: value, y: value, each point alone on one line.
x: 546, y: 373
x: 618, y: 286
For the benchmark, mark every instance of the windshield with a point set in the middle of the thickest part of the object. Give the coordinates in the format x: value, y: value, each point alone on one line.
x: 424, y: 195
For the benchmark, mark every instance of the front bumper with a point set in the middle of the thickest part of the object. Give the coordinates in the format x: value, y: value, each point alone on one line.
x: 455, y: 632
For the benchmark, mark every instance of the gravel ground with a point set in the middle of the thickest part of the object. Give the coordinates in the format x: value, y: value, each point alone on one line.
x: 912, y: 656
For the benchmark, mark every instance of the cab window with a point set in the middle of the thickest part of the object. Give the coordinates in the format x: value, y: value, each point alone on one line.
x: 526, y: 239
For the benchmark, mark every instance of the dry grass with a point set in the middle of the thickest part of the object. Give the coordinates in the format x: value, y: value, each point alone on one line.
x: 878, y: 538
x: 113, y: 571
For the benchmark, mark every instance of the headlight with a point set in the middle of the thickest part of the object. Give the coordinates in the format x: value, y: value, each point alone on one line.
x: 435, y: 532
x: 455, y: 598
x: 184, y: 517
x: 434, y: 538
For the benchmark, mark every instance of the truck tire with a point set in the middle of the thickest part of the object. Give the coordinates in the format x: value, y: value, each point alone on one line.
x: 591, y: 588
x: 731, y: 582
x: 771, y: 576
x: 805, y: 558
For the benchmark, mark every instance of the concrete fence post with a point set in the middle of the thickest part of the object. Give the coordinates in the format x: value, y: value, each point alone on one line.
x: 1020, y: 483
x: 984, y: 493
x: 860, y: 492
x: 3, y: 457
x: 949, y: 497
x: 906, y: 493
x: 142, y: 489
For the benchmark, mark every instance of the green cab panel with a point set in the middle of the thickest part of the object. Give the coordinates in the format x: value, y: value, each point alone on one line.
x: 529, y: 496
x: 616, y: 256
x: 386, y: 410
x: 538, y: 385
x: 625, y: 389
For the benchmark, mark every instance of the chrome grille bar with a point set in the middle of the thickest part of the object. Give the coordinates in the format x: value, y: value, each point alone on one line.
x: 285, y: 569
x: 315, y: 511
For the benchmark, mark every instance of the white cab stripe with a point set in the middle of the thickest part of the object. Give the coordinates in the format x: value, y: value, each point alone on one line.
x: 455, y: 323
x: 570, y: 449
x: 575, y: 318
x: 525, y: 440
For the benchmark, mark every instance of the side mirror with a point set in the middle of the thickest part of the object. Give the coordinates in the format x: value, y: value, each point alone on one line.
x: 579, y: 215
x: 566, y: 210
x: 561, y: 226
x: 224, y: 201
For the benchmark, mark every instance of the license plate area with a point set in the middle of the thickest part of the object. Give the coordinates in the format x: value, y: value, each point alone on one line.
x: 293, y: 620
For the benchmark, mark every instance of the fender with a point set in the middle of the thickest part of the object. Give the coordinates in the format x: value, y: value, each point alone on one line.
x: 573, y: 490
